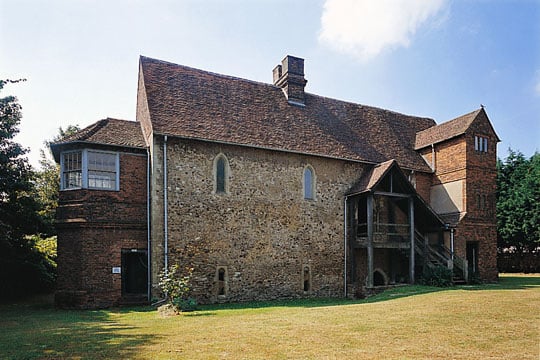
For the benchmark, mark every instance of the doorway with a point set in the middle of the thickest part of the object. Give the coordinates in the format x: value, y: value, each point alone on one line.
x: 134, y: 271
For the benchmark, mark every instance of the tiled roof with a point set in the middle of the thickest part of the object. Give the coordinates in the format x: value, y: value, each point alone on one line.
x: 368, y: 182
x: 446, y: 130
x: 371, y: 178
x: 191, y: 103
x: 109, y: 132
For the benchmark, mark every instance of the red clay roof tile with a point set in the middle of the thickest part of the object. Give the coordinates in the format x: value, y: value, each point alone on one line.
x: 197, y: 104
x: 109, y: 132
x: 445, y: 131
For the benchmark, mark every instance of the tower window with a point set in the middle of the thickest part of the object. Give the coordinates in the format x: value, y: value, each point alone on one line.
x: 481, y: 144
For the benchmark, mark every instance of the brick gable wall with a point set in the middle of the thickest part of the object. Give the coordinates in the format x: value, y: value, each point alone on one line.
x: 457, y: 160
x: 93, y: 228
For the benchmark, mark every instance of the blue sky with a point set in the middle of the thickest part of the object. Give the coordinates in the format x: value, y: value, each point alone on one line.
x: 434, y: 58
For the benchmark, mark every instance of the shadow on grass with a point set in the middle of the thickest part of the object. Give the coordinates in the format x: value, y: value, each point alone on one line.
x: 506, y: 282
x: 32, y: 331
x: 389, y: 294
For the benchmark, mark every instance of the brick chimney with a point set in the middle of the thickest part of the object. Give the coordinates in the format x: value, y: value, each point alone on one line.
x: 290, y: 77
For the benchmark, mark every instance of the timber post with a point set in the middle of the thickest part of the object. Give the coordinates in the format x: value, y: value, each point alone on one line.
x: 370, y: 240
x: 411, y: 232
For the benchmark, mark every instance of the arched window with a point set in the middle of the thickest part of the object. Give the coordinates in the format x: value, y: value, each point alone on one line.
x: 222, y: 281
x: 309, y: 183
x: 221, y: 171
x: 307, y: 279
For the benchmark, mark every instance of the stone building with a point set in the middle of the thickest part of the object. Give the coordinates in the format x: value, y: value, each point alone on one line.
x: 268, y: 192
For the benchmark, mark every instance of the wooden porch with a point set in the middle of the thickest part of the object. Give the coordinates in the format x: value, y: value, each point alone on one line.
x: 389, y: 225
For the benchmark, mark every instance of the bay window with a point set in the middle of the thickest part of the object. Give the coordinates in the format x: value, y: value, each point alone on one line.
x: 89, y: 169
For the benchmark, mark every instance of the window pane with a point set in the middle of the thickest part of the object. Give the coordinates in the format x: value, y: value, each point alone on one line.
x: 72, y: 170
x: 101, y: 180
x: 220, y: 175
x: 101, y: 162
x: 72, y: 179
x: 72, y: 161
x: 101, y: 170
x: 308, y: 184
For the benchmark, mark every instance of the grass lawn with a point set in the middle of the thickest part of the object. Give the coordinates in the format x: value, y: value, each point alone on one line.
x: 499, y: 321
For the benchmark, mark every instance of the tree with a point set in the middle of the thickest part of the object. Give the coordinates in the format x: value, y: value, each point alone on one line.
x: 16, y: 176
x: 47, y: 182
x: 518, y: 202
x: 22, y: 269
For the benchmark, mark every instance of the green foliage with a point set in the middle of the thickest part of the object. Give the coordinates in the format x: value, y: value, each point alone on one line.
x: 24, y: 270
x: 518, y: 203
x: 439, y: 276
x: 45, y: 246
x: 47, y: 183
x: 176, y: 285
x: 47, y: 187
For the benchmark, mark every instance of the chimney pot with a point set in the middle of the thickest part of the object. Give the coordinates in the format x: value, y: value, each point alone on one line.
x: 277, y: 74
x: 290, y: 77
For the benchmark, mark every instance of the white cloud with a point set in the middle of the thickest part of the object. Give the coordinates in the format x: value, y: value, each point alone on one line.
x: 365, y: 28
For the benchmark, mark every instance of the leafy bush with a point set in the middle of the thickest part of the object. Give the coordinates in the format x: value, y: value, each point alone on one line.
x: 29, y: 269
x: 439, y: 276
x: 176, y: 286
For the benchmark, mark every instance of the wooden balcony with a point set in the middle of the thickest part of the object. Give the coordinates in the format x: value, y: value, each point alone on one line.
x: 385, y: 236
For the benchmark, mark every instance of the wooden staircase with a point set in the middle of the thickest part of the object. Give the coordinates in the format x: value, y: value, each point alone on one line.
x: 440, y: 255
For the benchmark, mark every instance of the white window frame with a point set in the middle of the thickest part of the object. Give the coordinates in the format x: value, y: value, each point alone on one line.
x: 480, y: 143
x: 84, y: 170
x: 62, y: 167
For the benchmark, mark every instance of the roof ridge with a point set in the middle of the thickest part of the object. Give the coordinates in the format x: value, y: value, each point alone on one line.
x: 98, y: 126
x: 116, y: 119
x: 208, y: 72
x: 453, y: 127
x: 237, y: 78
x: 192, y: 103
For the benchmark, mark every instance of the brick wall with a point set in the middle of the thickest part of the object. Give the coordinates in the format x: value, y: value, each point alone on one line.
x: 423, y: 185
x: 93, y: 228
x: 457, y: 159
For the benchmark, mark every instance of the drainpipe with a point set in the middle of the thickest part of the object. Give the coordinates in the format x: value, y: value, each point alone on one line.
x: 452, y: 243
x: 433, y: 157
x: 165, y: 206
x: 148, y: 238
x: 345, y: 247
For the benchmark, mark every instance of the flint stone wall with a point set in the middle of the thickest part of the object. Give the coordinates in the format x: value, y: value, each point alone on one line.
x: 262, y: 232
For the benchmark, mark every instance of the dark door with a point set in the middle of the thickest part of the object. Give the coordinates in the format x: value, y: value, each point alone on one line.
x: 134, y: 272
x: 472, y: 257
